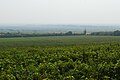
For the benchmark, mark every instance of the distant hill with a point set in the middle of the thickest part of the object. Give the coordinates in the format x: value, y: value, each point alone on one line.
x: 57, y: 28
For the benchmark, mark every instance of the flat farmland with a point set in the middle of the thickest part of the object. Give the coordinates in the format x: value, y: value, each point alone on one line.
x: 60, y: 58
x: 56, y: 41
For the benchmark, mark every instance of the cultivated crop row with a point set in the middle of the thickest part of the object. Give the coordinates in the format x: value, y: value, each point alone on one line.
x: 95, y: 62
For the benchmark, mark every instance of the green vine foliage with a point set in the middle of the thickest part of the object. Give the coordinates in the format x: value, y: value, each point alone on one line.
x: 95, y: 62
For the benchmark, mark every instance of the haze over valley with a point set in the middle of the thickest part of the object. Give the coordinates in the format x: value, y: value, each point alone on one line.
x: 49, y: 28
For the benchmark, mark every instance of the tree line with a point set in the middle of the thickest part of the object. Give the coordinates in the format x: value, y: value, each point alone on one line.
x: 114, y: 33
x: 69, y: 33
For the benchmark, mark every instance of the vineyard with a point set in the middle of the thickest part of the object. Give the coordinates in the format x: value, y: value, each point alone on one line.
x: 68, y: 61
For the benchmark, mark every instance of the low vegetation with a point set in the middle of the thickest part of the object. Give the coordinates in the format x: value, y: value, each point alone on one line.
x: 60, y: 58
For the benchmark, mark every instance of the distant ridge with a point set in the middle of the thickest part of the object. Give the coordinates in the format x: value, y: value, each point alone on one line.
x: 45, y: 28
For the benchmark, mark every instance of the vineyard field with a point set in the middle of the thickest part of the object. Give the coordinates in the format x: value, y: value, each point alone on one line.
x: 55, y: 41
x: 60, y: 58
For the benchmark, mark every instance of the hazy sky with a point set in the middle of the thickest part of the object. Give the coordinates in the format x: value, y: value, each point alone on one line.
x: 59, y: 11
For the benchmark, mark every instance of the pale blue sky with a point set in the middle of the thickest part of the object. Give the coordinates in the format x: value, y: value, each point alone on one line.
x: 59, y: 11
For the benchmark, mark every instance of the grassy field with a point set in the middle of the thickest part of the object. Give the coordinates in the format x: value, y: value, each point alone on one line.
x: 60, y: 58
x: 56, y: 41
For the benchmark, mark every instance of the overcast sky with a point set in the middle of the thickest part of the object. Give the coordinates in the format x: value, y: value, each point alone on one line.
x: 59, y: 11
